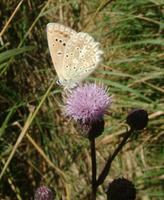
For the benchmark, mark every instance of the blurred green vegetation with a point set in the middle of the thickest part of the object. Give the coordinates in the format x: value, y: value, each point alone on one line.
x: 51, y: 152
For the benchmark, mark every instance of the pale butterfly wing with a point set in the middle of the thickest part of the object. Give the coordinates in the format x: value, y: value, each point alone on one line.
x: 58, y: 36
x: 82, y: 55
x: 74, y: 55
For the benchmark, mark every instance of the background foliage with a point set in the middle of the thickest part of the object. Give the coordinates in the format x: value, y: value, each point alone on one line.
x: 50, y: 151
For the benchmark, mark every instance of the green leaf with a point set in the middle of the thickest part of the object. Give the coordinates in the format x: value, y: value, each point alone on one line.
x: 144, y: 42
x: 13, y: 52
x: 6, y: 121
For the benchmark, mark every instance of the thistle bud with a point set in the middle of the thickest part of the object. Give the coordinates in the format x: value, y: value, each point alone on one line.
x: 121, y: 189
x: 137, y: 119
x: 91, y: 129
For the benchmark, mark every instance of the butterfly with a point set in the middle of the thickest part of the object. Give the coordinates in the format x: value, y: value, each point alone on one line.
x: 75, y: 55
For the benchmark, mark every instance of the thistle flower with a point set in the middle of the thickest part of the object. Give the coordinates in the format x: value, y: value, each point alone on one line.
x: 43, y: 193
x: 87, y: 103
x: 121, y: 189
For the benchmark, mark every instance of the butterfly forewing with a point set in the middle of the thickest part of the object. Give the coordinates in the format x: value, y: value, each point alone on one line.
x: 82, y: 55
x: 58, y: 36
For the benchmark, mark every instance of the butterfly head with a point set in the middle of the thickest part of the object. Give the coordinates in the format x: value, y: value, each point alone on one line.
x: 58, y: 82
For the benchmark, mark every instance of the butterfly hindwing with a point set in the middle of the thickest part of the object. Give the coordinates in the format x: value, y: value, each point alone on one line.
x: 82, y: 55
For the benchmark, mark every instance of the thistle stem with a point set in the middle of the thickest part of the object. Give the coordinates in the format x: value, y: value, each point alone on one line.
x: 106, y: 169
x: 93, y: 158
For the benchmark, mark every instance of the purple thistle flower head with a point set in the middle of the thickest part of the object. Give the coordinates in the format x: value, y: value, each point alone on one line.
x: 87, y: 103
x: 43, y: 193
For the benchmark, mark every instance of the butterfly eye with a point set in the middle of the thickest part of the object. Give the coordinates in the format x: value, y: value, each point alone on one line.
x: 56, y: 40
x: 64, y: 44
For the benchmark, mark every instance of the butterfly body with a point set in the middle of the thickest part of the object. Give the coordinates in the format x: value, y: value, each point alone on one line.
x: 74, y: 55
